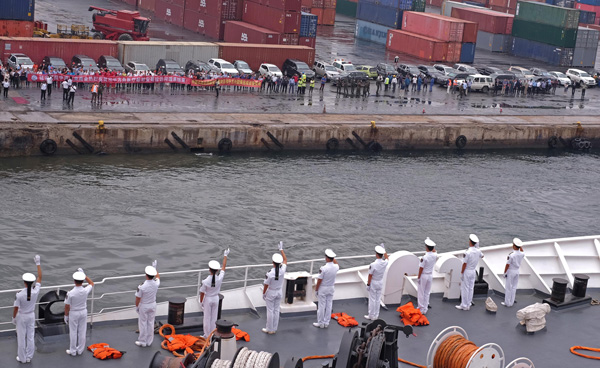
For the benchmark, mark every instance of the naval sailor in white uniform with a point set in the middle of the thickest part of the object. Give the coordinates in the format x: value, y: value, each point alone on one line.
x: 375, y: 281
x: 209, y: 294
x: 511, y: 272
x: 425, y: 272
x: 325, y: 289
x: 24, y: 313
x: 272, y: 292
x: 76, y: 312
x: 468, y: 273
x: 145, y: 305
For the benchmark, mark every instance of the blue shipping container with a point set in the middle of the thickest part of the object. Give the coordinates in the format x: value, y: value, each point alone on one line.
x: 379, y: 14
x: 467, y: 53
x: 308, y: 25
x: 396, y: 4
x: 375, y: 33
x: 17, y: 9
x: 587, y: 17
x: 590, y: 2
x: 550, y: 54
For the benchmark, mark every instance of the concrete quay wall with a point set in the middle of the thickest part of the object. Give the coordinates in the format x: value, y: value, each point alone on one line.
x: 78, y: 133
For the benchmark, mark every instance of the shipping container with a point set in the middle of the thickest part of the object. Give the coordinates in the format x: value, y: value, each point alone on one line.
x: 307, y: 41
x: 147, y: 5
x: 205, y: 24
x: 419, y: 46
x: 436, y: 3
x: 289, y: 39
x: 17, y: 10
x: 453, y: 54
x: 587, y: 37
x: 169, y: 13
x: 130, y: 2
x: 373, y: 32
x: 493, y: 42
x: 547, y: 14
x: 418, y: 6
x: 384, y: 15
x: 347, y: 8
x: 440, y: 27
x: 180, y: 3
x: 592, y: 26
x: 328, y: 18
x: 550, y: 54
x: 242, y: 32
x: 16, y: 28
x: 511, y: 4
x: 278, y: 20
x: 255, y: 55
x: 318, y: 3
x: 38, y: 48
x: 329, y: 4
x: 396, y: 4
x: 587, y: 17
x: 467, y: 53
x: 447, y: 7
x: 149, y: 52
x: 584, y: 57
x: 589, y: 2
x: 289, y: 5
x: 487, y: 20
x: 590, y: 8
x: 544, y: 33
x: 561, y: 3
x: 308, y: 25
x: 501, y: 9
x: 224, y: 9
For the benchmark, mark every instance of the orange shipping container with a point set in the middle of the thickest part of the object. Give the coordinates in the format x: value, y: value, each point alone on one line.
x: 255, y: 54
x: 328, y: 17
x: 420, y: 46
x: 16, y: 28
x: 453, y: 54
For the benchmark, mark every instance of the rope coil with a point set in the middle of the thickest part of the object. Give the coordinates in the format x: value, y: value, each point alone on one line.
x: 454, y: 352
x: 247, y: 358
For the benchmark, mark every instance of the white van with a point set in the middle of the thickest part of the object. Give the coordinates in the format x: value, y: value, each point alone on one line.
x: 481, y: 82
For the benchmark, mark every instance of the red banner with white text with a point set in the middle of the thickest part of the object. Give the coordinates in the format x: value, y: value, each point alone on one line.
x: 251, y: 83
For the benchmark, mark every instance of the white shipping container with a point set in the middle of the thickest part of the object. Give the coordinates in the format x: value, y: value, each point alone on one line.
x: 150, y: 52
x: 448, y: 5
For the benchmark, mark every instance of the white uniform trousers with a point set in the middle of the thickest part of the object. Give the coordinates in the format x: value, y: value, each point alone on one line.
x: 25, y: 336
x: 147, y: 312
x: 210, y: 304
x: 325, y: 302
x: 375, y: 299
x: 512, y: 279
x: 77, y: 331
x: 424, y: 291
x: 273, y: 300
x: 466, y: 288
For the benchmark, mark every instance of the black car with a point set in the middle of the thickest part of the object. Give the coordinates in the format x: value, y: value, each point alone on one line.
x: 86, y: 62
x: 384, y: 69
x: 503, y: 76
x: 54, y: 62
x: 489, y: 70
x: 430, y: 71
x: 456, y: 76
x: 168, y: 66
x: 198, y: 66
x: 352, y: 76
x: 110, y: 63
x: 293, y: 67
x: 408, y: 70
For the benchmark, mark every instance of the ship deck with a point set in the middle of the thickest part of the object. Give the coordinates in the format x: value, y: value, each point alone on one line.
x: 297, y: 337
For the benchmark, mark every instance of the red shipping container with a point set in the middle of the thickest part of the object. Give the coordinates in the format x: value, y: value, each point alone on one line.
x: 255, y: 54
x: 433, y: 25
x: 16, y: 28
x: 328, y: 17
x: 590, y: 8
x: 305, y: 9
x: 180, y: 3
x: 487, y: 20
x: 207, y: 25
x: 307, y: 41
x: 453, y: 54
x: 37, y: 48
x: 319, y: 13
x: 307, y: 3
x: 225, y: 9
x: 147, y: 4
x: 169, y: 13
x: 243, y: 32
x: 329, y: 4
x: 289, y: 5
x: 289, y: 39
x: 318, y: 3
x: 276, y: 19
x: 425, y: 48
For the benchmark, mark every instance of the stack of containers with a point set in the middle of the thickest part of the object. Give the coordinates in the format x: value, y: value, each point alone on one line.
x: 171, y: 11
x: 586, y: 48
x: 434, y: 37
x: 494, y: 28
x: 590, y: 6
x: 561, y: 3
x: 281, y: 16
x: 587, y: 17
x: 208, y: 17
x: 346, y: 7
x: 16, y: 18
x: 376, y: 17
x: 324, y: 9
x: 308, y: 29
x: 545, y: 32
x: 447, y: 7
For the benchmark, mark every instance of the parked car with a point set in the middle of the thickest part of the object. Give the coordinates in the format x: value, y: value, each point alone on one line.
x: 85, y: 62
x: 460, y: 77
x: 526, y: 73
x: 408, y: 70
x: 168, y: 66
x: 503, y: 76
x: 111, y: 63
x: 444, y: 69
x: 343, y: 66
x: 224, y: 66
x: 137, y: 68
x: 55, y: 62
x: 197, y: 66
x: 384, y: 69
x: 489, y: 70
x: 269, y: 70
x: 465, y: 68
x: 352, y: 76
x: 293, y: 67
x: 321, y: 68
x: 17, y: 61
x: 242, y: 67
x: 562, y: 78
x: 369, y: 70
x: 480, y: 82
x: 581, y: 76
x: 432, y: 72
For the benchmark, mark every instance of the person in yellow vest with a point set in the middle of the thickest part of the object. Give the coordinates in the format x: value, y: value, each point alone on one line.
x: 387, y: 83
x: 312, y: 86
x: 94, y: 93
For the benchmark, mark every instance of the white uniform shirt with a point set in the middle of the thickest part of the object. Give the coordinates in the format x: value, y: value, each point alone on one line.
x: 147, y: 291
x: 327, y: 273
x: 77, y: 298
x: 270, y: 278
x: 65, y: 84
x: 209, y: 290
x: 472, y: 258
x: 44, y: 86
x: 515, y: 259
x: 377, y: 269
x: 27, y: 306
x: 428, y: 262
x: 49, y: 80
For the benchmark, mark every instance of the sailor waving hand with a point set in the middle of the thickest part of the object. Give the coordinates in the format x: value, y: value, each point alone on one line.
x: 24, y: 313
x: 272, y: 290
x: 209, y: 293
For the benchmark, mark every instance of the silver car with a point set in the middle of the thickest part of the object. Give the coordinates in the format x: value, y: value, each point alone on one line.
x: 17, y: 61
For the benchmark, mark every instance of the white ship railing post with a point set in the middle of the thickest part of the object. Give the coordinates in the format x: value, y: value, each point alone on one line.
x: 246, y: 278
x: 92, y: 309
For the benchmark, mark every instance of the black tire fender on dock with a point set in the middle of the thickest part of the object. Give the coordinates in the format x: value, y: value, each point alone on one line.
x: 225, y: 145
x: 552, y: 142
x: 332, y: 144
x: 461, y: 142
x: 48, y: 147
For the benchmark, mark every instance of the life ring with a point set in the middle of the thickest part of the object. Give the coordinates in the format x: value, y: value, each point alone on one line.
x: 225, y: 144
x: 48, y: 147
x: 375, y: 147
x: 162, y: 328
x: 461, y: 142
x: 332, y: 144
x: 552, y: 142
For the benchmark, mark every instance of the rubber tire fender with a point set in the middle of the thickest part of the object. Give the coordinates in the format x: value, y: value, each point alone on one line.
x: 552, y: 142
x: 461, y: 141
x: 332, y: 144
x: 48, y: 147
x: 225, y: 145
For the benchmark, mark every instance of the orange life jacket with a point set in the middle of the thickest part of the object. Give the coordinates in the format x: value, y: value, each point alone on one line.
x: 179, y: 342
x: 412, y: 316
x: 344, y: 319
x: 103, y: 351
x: 239, y: 334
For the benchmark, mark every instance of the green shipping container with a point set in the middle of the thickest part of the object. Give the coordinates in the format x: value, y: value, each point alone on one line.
x: 544, y: 33
x: 547, y: 14
x: 418, y: 5
x: 347, y: 8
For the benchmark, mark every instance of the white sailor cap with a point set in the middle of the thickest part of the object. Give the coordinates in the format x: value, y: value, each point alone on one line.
x: 28, y: 277
x: 214, y: 265
x: 150, y: 271
x: 474, y: 238
x: 79, y: 276
x: 329, y: 253
x: 517, y: 242
x: 380, y: 250
x: 429, y: 242
x: 277, y: 258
